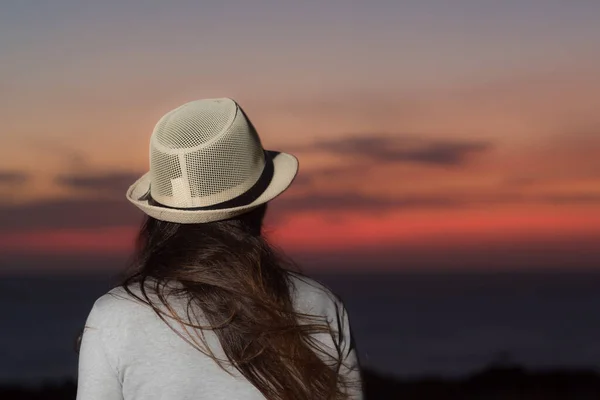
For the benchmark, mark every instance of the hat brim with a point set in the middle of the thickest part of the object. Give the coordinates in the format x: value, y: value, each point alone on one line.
x: 285, y: 168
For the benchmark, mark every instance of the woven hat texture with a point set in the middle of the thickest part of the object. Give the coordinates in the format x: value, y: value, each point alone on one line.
x: 207, y: 164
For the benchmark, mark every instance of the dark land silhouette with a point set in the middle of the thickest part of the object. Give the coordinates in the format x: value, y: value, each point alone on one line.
x: 491, y: 383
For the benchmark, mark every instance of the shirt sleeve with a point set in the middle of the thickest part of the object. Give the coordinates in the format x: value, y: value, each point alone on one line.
x: 350, y: 368
x: 97, y: 378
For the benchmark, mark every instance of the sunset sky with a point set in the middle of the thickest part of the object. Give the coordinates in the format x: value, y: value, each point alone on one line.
x: 430, y: 133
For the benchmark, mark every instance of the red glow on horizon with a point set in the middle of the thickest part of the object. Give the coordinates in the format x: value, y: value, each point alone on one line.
x: 322, y: 233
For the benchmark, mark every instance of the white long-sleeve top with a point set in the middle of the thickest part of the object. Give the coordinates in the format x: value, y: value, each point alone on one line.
x: 128, y: 353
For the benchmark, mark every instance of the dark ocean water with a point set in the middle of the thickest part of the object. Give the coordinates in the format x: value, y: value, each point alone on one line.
x: 406, y: 324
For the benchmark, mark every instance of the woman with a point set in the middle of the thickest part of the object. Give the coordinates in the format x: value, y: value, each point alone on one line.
x: 210, y: 311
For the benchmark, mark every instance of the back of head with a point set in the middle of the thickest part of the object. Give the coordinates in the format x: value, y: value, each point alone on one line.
x: 205, y: 212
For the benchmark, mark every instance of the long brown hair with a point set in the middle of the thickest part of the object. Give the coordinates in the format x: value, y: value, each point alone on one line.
x: 241, y: 285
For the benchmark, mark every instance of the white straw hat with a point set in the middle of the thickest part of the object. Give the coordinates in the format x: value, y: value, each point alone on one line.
x: 207, y: 164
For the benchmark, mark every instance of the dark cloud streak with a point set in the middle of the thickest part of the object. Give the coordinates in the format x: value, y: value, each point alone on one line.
x: 114, y: 184
x: 13, y: 177
x: 558, y: 199
x: 403, y: 148
x: 361, y: 203
x: 68, y: 213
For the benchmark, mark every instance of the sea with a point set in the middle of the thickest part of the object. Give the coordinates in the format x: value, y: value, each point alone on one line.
x: 405, y: 324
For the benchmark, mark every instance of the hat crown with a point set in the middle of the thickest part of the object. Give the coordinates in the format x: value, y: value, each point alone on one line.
x: 203, y: 153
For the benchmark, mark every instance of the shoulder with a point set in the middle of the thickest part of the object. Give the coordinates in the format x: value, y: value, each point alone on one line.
x: 116, y: 307
x: 306, y: 285
x: 313, y: 297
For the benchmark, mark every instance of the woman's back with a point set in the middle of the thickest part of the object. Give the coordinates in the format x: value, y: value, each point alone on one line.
x: 135, y: 355
x: 209, y: 309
